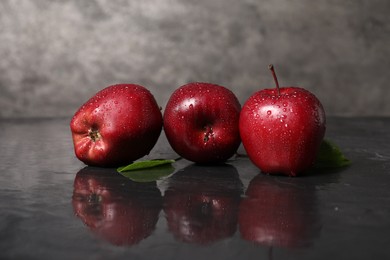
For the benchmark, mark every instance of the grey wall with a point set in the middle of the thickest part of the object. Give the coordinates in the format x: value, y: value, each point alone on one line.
x: 54, y: 55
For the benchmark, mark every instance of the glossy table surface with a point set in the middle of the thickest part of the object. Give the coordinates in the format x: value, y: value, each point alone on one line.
x: 52, y: 207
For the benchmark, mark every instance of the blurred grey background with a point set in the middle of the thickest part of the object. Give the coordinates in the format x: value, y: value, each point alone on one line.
x: 54, y: 55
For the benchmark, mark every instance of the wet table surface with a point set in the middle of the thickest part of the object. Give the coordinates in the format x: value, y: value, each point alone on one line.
x: 53, y: 207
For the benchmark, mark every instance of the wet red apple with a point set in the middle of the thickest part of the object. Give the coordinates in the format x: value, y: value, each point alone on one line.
x: 201, y: 203
x: 282, y: 129
x: 118, y: 125
x: 116, y: 209
x: 201, y: 122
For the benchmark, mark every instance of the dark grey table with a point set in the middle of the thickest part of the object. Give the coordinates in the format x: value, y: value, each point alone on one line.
x: 52, y: 207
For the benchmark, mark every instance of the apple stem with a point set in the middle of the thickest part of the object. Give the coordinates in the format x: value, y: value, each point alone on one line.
x: 271, y: 67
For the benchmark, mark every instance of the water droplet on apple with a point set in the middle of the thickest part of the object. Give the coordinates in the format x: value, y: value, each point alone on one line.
x: 284, y: 109
x: 269, y: 112
x: 286, y: 125
x: 284, y: 104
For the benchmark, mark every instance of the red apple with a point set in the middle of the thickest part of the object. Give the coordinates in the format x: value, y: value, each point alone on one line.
x: 201, y: 122
x: 113, y: 207
x: 281, y: 213
x: 201, y: 203
x: 118, y: 125
x: 282, y: 129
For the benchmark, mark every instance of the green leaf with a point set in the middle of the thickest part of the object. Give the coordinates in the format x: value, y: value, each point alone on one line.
x: 147, y: 171
x: 149, y: 174
x: 330, y: 156
x: 144, y: 165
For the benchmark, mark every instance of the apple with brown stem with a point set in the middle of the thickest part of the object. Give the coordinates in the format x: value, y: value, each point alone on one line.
x: 282, y: 129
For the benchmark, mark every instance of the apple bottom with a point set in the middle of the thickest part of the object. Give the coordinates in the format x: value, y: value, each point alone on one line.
x: 201, y: 122
x: 116, y: 209
x: 112, y: 149
x: 294, y: 160
x: 116, y: 126
x: 210, y: 142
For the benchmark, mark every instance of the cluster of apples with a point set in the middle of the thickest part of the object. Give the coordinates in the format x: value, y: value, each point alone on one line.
x: 281, y: 128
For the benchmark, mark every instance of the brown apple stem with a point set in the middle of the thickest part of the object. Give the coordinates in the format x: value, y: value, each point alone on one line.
x: 271, y: 67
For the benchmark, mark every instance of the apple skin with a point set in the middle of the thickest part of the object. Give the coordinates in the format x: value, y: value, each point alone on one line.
x: 281, y: 213
x: 282, y: 133
x: 118, y: 125
x: 201, y: 203
x: 201, y: 122
x: 115, y: 208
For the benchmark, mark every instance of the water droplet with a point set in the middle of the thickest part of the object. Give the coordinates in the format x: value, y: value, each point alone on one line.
x: 284, y: 104
x: 269, y: 112
x: 284, y: 109
x: 286, y: 125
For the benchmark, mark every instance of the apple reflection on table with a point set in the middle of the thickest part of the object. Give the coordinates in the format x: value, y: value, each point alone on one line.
x: 201, y: 203
x: 279, y: 211
x: 115, y: 208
